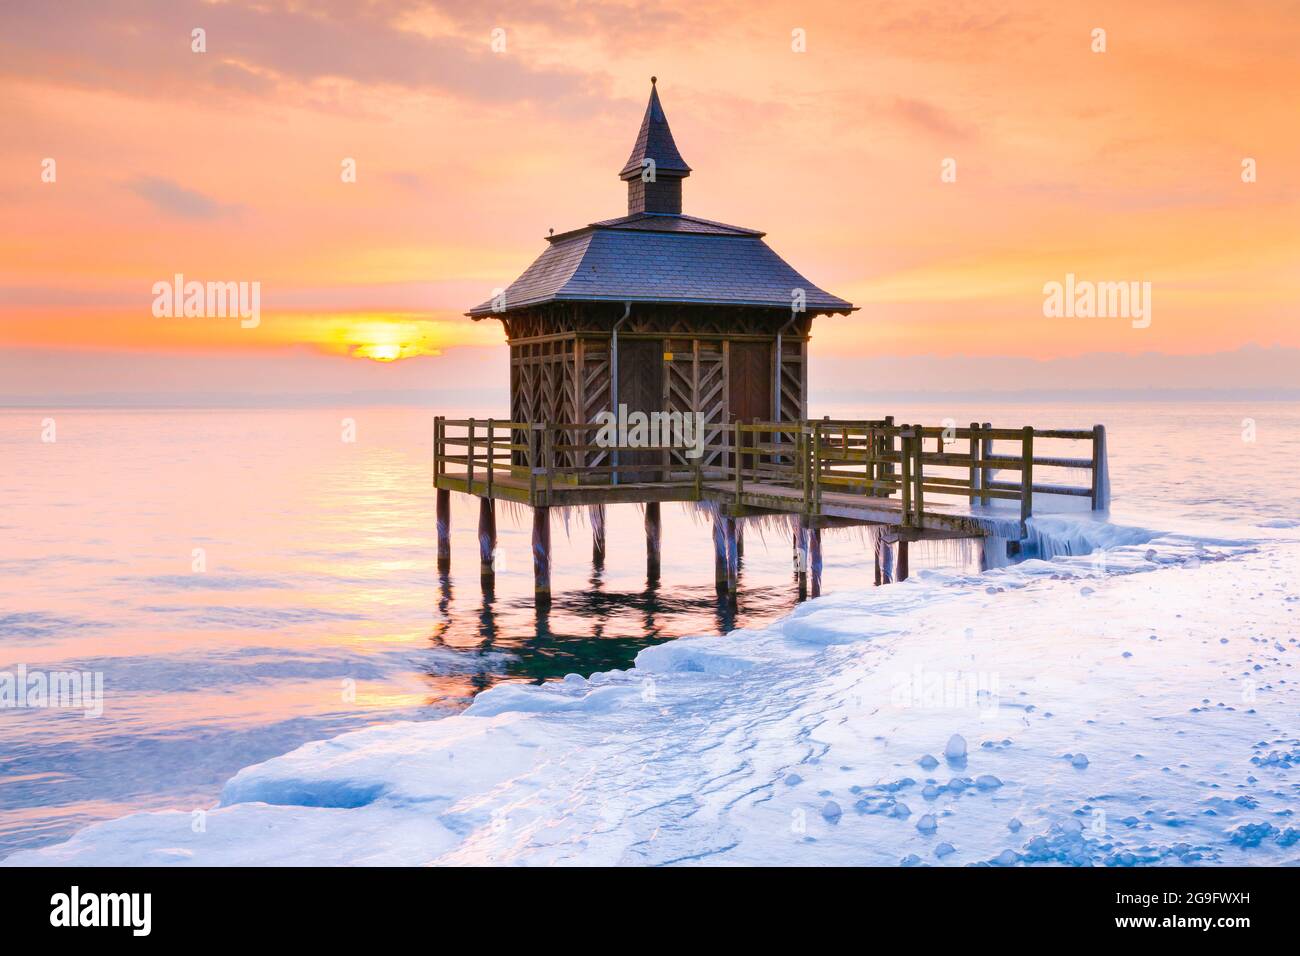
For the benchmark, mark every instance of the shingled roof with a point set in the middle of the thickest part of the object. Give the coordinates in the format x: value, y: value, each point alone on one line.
x: 663, y: 257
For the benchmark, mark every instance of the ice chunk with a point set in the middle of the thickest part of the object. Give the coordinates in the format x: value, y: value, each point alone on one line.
x: 926, y: 824
x: 956, y: 749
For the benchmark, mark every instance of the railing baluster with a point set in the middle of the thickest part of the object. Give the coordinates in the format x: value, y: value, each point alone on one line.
x: 739, y: 460
x: 532, y: 462
x: 817, y: 467
x: 492, y: 457
x: 1026, y: 478
x: 918, y: 476
x: 548, y: 459
x: 469, y: 456
x: 986, y: 473
x: 1099, y: 502
x: 905, y: 462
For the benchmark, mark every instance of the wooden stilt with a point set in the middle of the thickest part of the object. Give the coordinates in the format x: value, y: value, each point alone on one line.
x: 542, y: 554
x: 876, y: 559
x: 814, y: 562
x: 653, y: 532
x: 597, y: 514
x: 886, y: 562
x: 902, y: 561
x: 740, y: 541
x: 801, y: 558
x: 444, y: 530
x: 720, y: 554
x: 487, y: 537
x: 733, y: 559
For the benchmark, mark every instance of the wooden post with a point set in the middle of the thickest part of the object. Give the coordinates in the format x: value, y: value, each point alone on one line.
x: 817, y: 467
x: 491, y: 459
x: 878, y: 559
x: 801, y: 557
x: 439, y: 466
x: 469, y: 457
x: 918, y: 477
x: 597, y: 514
x: 986, y: 473
x: 720, y: 554
x: 733, y: 563
x: 1026, y: 478
x: 532, y: 462
x: 653, y: 530
x: 548, y: 460
x: 542, y: 554
x: 740, y: 469
x: 1099, y: 468
x: 974, y: 462
x: 887, y: 445
x: 815, y: 562
x: 487, y: 537
x: 902, y: 561
x: 740, y: 541
x: 905, y: 479
x: 444, y: 530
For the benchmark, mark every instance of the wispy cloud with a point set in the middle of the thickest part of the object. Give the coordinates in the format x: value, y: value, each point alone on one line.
x: 175, y: 200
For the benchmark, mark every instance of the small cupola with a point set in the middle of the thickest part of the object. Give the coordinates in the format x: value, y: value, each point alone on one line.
x: 655, y: 170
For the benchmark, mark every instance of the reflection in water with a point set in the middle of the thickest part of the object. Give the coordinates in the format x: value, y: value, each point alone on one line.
x: 581, y: 630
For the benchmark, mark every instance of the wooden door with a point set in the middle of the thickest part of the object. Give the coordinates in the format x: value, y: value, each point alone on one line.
x: 750, y: 392
x: 641, y: 389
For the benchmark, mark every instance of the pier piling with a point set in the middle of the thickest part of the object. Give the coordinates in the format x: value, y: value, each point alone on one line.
x: 542, y: 554
x: 814, y: 562
x: 733, y: 559
x: 444, y: 530
x: 719, y: 555
x: 801, y: 558
x: 487, y: 537
x: 901, y: 574
x: 597, y: 515
x: 653, y: 533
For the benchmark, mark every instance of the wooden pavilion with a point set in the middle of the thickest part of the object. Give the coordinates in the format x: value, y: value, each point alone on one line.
x: 663, y: 313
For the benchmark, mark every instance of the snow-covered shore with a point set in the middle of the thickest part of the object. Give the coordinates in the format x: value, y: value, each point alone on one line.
x: 1135, y: 706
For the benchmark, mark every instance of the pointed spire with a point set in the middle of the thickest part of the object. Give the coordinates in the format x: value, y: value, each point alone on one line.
x: 655, y: 142
x: 654, y: 155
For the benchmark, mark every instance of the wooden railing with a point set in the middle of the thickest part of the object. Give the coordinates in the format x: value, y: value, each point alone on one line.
x: 876, y: 458
x: 550, y: 454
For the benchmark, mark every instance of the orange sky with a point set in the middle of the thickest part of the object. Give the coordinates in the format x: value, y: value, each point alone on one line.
x: 225, y: 165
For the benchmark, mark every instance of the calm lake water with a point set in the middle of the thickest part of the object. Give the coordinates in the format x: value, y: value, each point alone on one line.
x: 317, y: 606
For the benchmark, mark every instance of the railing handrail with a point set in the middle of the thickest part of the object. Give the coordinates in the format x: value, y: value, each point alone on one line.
x: 864, y: 456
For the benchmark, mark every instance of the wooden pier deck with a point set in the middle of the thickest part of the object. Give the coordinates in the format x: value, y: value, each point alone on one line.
x: 914, y: 482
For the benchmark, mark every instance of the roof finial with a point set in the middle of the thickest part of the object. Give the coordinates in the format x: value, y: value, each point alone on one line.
x: 653, y: 80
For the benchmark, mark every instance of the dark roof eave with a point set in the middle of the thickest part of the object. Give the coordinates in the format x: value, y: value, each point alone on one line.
x: 740, y: 232
x: 844, y: 309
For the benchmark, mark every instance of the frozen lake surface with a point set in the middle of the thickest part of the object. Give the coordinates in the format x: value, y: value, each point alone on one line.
x: 1162, y: 659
